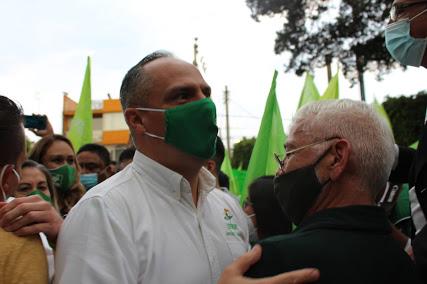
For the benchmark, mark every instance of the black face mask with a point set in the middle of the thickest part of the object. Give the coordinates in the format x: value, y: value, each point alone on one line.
x: 297, y: 190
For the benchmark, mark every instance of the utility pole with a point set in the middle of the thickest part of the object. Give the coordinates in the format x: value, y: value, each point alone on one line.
x: 360, y: 62
x: 328, y: 60
x: 196, y: 51
x: 227, y: 123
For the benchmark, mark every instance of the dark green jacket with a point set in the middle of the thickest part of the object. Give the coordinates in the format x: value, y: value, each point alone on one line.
x: 348, y: 245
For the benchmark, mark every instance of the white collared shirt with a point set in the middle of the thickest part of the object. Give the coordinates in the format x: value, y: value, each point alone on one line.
x: 141, y: 226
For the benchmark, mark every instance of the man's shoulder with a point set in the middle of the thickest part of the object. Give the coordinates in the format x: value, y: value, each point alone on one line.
x: 118, y: 185
x: 224, y: 199
x: 11, y: 242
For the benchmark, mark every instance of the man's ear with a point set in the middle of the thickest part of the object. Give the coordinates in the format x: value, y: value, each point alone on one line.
x: 341, y: 151
x: 134, y: 121
x: 9, y: 181
x: 110, y: 171
x: 211, y: 166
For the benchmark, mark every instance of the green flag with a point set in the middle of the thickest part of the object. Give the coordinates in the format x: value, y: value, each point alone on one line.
x: 381, y: 111
x: 271, y: 138
x: 309, y: 91
x: 228, y: 170
x: 332, y: 92
x: 81, y: 125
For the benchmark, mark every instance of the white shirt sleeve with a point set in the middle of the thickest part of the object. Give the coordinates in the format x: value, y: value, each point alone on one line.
x: 94, y: 247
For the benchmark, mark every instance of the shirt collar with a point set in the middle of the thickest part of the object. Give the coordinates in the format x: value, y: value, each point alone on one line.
x: 168, y: 181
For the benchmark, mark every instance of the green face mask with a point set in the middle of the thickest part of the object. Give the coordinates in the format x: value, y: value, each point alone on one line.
x: 191, y: 127
x: 41, y: 194
x: 63, y: 177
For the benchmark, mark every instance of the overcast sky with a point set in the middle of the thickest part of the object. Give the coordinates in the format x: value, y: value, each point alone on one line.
x: 44, y: 45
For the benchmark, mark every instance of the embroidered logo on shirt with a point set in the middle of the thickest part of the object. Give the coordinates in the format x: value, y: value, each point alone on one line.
x: 231, y: 227
x: 227, y: 214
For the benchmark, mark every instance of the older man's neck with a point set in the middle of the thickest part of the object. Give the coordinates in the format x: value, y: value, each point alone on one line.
x: 341, y: 196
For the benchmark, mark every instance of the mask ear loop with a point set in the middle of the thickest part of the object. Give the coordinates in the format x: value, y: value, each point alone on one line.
x: 152, y: 109
x: 417, y: 15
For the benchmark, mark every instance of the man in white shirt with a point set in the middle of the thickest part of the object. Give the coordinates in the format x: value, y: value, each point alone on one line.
x: 161, y: 219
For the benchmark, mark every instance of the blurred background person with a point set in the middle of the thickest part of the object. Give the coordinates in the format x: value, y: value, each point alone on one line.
x: 264, y: 211
x: 94, y: 162
x: 125, y: 158
x: 36, y: 180
x: 56, y: 153
x: 22, y: 259
x: 214, y: 165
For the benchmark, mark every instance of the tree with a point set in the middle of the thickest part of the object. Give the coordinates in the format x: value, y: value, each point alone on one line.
x: 407, y: 116
x: 242, y: 152
x: 315, y: 31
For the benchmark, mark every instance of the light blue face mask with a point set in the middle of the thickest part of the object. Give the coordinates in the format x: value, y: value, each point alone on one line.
x: 89, y: 180
x: 402, y: 46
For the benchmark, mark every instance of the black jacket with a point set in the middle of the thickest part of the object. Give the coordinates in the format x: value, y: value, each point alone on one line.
x: 348, y: 245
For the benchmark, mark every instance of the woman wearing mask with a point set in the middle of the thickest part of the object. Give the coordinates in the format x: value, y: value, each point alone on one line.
x: 36, y: 180
x: 56, y: 153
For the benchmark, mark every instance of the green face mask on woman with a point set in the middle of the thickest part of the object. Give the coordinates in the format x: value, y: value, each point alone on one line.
x: 63, y: 177
x: 41, y: 194
x: 191, y: 127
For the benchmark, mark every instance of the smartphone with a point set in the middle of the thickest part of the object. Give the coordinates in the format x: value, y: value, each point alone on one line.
x: 35, y: 121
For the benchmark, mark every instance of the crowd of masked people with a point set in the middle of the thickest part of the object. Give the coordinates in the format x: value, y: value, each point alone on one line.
x: 53, y: 172
x: 347, y: 205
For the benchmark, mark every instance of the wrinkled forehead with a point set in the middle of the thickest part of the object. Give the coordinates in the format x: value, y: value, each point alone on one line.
x: 301, y: 130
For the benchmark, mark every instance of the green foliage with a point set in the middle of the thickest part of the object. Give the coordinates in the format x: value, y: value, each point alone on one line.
x: 314, y: 31
x: 407, y: 116
x: 242, y: 152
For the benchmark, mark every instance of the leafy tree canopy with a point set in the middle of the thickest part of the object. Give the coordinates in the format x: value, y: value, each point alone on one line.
x: 314, y: 31
x: 406, y: 116
x: 242, y: 152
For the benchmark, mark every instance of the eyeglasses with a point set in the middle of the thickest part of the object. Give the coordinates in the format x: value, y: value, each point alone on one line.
x: 397, y: 8
x: 281, y: 162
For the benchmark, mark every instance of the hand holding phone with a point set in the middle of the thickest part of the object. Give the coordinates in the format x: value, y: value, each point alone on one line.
x: 38, y: 122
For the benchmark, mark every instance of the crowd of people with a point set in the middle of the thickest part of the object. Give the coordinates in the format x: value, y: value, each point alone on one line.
x: 163, y: 214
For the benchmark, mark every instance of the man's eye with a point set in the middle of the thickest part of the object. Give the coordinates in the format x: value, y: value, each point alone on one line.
x: 182, y: 96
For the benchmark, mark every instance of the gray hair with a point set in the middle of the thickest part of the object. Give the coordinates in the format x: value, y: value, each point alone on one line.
x: 136, y: 84
x: 371, y: 139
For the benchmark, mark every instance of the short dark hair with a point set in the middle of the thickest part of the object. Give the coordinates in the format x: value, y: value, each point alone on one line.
x: 219, y: 154
x: 127, y: 154
x: 97, y: 149
x: 12, y: 137
x: 271, y: 220
x: 135, y: 85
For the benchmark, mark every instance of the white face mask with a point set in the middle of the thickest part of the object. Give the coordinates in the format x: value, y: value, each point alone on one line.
x: 2, y: 176
x: 253, y: 231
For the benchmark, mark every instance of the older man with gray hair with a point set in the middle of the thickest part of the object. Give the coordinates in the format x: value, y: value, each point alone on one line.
x: 339, y: 156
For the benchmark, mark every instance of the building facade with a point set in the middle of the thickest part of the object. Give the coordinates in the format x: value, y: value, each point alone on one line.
x: 109, y: 126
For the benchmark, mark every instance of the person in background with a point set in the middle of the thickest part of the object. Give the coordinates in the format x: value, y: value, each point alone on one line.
x: 56, y: 153
x: 94, y: 161
x: 36, y: 180
x: 406, y: 41
x: 264, y: 210
x: 339, y: 155
x: 126, y: 157
x: 214, y: 165
x: 22, y: 259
